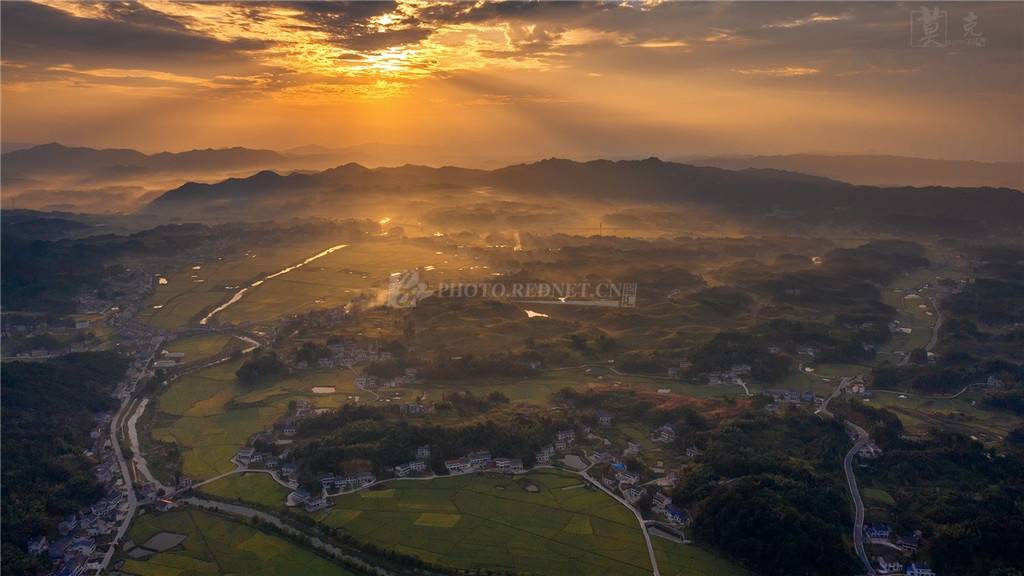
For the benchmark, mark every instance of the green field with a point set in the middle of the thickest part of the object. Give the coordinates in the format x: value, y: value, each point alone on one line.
x: 254, y: 488
x: 878, y: 497
x: 202, y: 346
x: 689, y: 560
x: 210, y: 416
x: 200, y: 412
x: 217, y: 545
x: 492, y: 522
x: 921, y: 413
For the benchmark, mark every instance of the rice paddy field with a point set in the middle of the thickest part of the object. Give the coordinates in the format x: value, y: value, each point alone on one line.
x: 326, y: 282
x: 210, y: 416
x: 203, y: 346
x: 688, y: 560
x: 253, y: 488
x: 215, y: 545
x: 493, y: 522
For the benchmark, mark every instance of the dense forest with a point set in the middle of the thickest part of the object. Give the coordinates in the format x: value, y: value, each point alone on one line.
x: 49, y: 409
x: 769, y: 491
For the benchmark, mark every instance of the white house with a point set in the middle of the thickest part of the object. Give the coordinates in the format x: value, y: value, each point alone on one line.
x: 480, y: 459
x: 458, y: 466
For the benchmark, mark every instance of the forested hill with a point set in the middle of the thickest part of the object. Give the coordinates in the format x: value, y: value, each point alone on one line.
x: 48, y: 411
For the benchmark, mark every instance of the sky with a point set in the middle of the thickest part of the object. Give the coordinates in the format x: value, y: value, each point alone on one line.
x: 579, y: 80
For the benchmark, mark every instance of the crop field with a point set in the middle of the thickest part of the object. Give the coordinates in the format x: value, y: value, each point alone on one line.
x: 493, y: 522
x: 216, y: 545
x: 203, y: 346
x: 689, y: 560
x: 333, y: 280
x: 190, y: 291
x: 211, y: 416
x: 256, y: 488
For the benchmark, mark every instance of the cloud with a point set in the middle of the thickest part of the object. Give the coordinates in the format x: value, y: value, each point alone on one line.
x: 812, y: 19
x: 784, y: 72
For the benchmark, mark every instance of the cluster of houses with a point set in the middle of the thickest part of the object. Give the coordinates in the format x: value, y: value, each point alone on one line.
x: 347, y: 354
x: 790, y: 396
x: 882, y: 535
x: 406, y: 379
x: 330, y: 485
x: 80, y: 534
x: 733, y: 375
x: 482, y: 461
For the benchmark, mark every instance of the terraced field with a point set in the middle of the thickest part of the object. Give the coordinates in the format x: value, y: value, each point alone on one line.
x: 216, y: 545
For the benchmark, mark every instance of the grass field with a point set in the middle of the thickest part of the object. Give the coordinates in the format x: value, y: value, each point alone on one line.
x: 217, y: 545
x: 255, y: 488
x: 689, y: 560
x: 878, y: 497
x: 491, y: 522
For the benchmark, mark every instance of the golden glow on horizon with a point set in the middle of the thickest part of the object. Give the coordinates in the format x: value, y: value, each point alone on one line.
x: 532, y: 80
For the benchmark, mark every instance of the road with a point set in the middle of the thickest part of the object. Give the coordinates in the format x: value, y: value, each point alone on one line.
x: 858, y: 503
x: 132, y: 429
x: 115, y: 423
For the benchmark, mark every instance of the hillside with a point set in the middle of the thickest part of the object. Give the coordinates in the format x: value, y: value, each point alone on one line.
x: 882, y: 170
x: 612, y: 183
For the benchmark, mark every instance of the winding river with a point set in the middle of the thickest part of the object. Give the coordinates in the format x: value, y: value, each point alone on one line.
x: 238, y: 295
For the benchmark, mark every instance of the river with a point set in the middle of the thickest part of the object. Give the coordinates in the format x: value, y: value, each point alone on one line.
x: 238, y: 295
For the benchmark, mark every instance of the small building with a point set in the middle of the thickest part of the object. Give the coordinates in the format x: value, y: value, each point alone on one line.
x: 877, y: 533
x: 423, y: 452
x: 633, y: 448
x: 315, y: 504
x: 566, y: 435
x: 600, y: 455
x: 634, y: 493
x: 604, y: 418
x: 244, y: 455
x: 544, y: 455
x: 886, y: 566
x: 289, y: 469
x: 676, y: 515
x: 627, y: 477
x: 665, y: 434
x: 919, y: 570
x: 909, y: 543
x: 458, y: 466
x: 661, y: 499
x: 693, y: 452
x: 479, y: 459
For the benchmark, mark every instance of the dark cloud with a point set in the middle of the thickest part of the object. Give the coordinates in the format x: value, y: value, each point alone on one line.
x: 132, y: 37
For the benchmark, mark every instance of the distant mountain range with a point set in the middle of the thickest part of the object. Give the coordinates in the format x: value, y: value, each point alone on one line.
x: 58, y: 160
x: 881, y: 170
x: 754, y: 192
